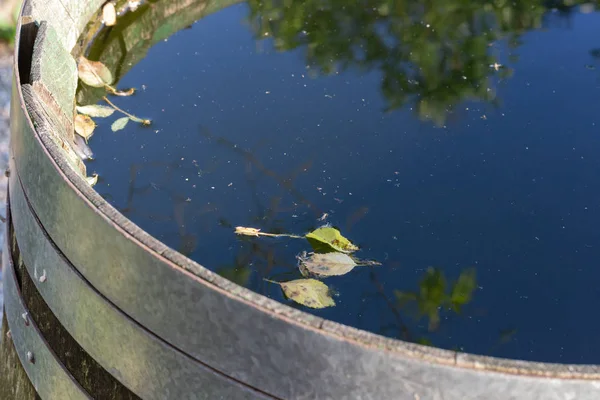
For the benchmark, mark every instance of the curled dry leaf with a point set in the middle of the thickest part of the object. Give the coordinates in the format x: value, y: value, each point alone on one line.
x: 92, y: 180
x: 84, y: 126
x: 119, y: 124
x: 93, y: 73
x: 121, y: 93
x: 328, y: 264
x: 109, y: 14
x: 96, y: 111
x: 242, y: 230
x: 308, y: 292
x: 327, y: 236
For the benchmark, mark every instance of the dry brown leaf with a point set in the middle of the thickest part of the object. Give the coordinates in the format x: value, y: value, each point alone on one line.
x: 92, y: 180
x: 242, y: 230
x: 93, y: 73
x: 84, y: 126
x: 109, y: 14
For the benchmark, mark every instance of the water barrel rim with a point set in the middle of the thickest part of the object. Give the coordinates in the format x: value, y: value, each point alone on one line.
x: 363, y: 338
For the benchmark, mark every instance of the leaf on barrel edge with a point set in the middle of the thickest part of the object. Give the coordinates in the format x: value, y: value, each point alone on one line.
x: 92, y: 180
x: 96, y: 111
x: 84, y: 126
x: 109, y: 14
x: 93, y: 73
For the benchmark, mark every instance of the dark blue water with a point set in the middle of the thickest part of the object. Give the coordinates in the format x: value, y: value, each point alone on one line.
x: 454, y: 163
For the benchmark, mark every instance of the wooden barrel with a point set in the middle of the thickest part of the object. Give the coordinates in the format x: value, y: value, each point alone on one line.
x: 97, y: 308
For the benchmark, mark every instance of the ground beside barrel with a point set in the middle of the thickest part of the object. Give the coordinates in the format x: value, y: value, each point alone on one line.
x: 5, y: 85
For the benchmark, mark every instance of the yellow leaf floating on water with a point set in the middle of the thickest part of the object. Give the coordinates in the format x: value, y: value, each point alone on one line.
x: 308, y: 292
x: 330, y: 237
x: 93, y: 73
x: 328, y: 264
x: 84, y: 126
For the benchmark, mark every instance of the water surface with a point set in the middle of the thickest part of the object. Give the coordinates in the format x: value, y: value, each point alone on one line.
x: 446, y: 135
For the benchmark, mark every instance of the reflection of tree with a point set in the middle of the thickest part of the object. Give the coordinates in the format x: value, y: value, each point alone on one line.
x: 434, y: 52
x: 433, y: 295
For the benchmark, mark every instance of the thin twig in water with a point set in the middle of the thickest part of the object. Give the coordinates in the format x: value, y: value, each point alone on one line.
x: 132, y: 117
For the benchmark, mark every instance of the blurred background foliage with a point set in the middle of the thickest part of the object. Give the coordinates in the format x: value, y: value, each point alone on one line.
x: 9, y: 11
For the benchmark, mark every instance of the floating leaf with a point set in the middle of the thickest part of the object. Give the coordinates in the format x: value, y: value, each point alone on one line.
x: 119, y: 124
x: 328, y: 264
x: 330, y: 237
x: 93, y: 73
x: 308, y: 292
x: 109, y: 14
x: 92, y: 180
x: 96, y: 111
x: 242, y: 230
x: 84, y: 126
x: 463, y: 289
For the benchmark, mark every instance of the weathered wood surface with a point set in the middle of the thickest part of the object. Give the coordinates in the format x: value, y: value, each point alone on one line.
x: 45, y: 372
x: 14, y: 383
x: 103, y: 335
x: 52, y: 77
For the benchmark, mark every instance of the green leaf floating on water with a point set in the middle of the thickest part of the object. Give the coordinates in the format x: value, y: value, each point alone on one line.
x: 96, y: 111
x: 326, y: 236
x: 308, y: 292
x: 119, y: 124
x: 328, y: 264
